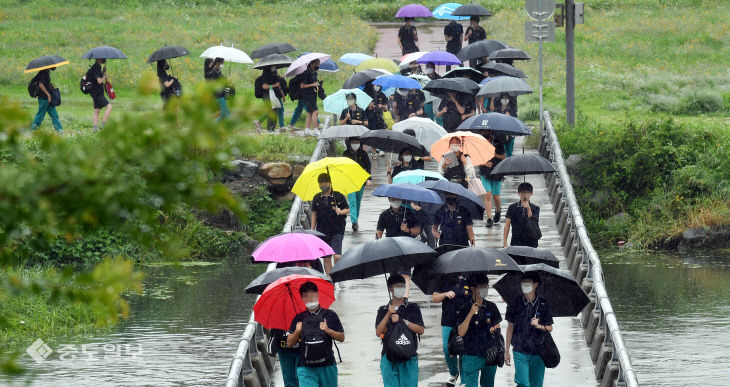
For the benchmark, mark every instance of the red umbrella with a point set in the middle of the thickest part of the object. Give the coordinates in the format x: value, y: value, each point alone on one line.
x: 280, y: 301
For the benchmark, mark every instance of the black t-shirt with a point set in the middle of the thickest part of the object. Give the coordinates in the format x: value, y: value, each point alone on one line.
x: 519, y: 313
x: 485, y: 170
x: 452, y: 117
x: 511, y: 107
x: 405, y: 105
x: 418, y: 163
x: 390, y: 221
x: 454, y: 30
x: 453, y: 225
x: 477, y: 338
x: 308, y: 77
x: 44, y: 78
x: 400, y: 168
x: 408, y: 311
x: 270, y: 79
x: 451, y: 307
x: 375, y: 118
x: 407, y: 39
x: 92, y: 76
x: 478, y: 34
x: 518, y: 221
x: 328, y: 221
x: 357, y: 114
x: 359, y: 156
x: 333, y: 322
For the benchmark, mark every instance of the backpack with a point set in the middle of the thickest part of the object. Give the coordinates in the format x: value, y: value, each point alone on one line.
x: 85, y: 85
x: 295, y: 88
x: 401, y: 343
x: 316, y: 347
x: 455, y: 345
x: 276, y: 341
x: 33, y: 87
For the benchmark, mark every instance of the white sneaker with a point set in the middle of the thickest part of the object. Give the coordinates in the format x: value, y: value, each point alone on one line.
x: 307, y: 132
x: 452, y: 381
x: 315, y: 132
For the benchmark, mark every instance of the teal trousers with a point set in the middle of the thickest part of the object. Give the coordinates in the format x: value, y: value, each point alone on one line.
x: 529, y: 370
x: 403, y: 374
x: 472, y: 365
x: 317, y: 376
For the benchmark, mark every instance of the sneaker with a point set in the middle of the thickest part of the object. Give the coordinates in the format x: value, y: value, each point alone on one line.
x: 307, y: 132
x: 257, y: 126
x: 355, y: 227
x: 497, y: 216
x: 452, y: 381
x: 490, y: 223
x: 316, y: 132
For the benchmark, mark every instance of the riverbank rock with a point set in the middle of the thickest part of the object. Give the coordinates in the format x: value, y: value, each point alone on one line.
x: 279, y: 175
x: 704, y: 238
x: 621, y: 217
x: 575, y: 170
x: 242, y: 169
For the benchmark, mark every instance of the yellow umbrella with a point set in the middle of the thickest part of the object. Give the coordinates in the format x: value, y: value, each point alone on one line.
x: 379, y: 63
x: 347, y: 177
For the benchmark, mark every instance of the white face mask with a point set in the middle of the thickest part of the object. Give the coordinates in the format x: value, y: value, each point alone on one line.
x: 454, y: 147
x: 407, y: 158
x: 403, y: 92
x: 376, y: 87
x: 399, y: 292
x: 395, y: 203
x: 505, y: 101
x: 355, y: 146
x: 429, y: 70
x: 312, y: 304
x: 221, y: 67
x: 351, y: 102
x: 482, y: 292
x: 526, y: 288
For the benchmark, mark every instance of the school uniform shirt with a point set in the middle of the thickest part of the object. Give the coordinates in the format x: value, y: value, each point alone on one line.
x: 328, y: 222
x: 358, y: 114
x: 308, y: 77
x: 92, y: 76
x: 418, y: 163
x: 511, y: 107
x: 333, y: 322
x: 518, y: 221
x: 270, y: 79
x: 389, y: 221
x: 375, y: 118
x: 453, y: 225
x: 407, y: 40
x: 400, y: 168
x: 455, y: 31
x: 405, y: 105
x: 359, y: 156
x: 485, y: 170
x: 452, y: 117
x: 408, y: 311
x: 520, y: 312
x: 477, y: 34
x: 44, y: 78
x: 451, y: 307
x: 478, y: 339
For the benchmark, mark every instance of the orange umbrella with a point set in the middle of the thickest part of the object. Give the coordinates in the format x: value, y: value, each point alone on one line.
x: 477, y: 147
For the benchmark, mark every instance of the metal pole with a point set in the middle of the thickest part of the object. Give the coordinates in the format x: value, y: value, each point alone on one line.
x: 569, y: 62
x: 540, y: 66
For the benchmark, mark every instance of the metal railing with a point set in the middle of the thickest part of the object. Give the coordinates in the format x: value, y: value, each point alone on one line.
x: 602, y: 331
x: 251, y: 365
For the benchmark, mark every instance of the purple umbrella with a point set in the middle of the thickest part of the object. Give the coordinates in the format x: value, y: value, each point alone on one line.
x: 414, y: 10
x: 439, y: 58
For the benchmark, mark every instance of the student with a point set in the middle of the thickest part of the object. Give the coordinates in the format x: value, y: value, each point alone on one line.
x: 493, y: 185
x: 353, y: 114
x: 506, y: 104
x: 425, y: 220
x: 397, y: 221
x: 406, y: 104
x: 528, y: 316
x: 455, y: 109
x: 418, y: 162
x: 460, y: 171
x: 398, y: 372
x: 474, y: 33
x: 452, y: 224
x: 518, y: 214
x: 98, y: 77
x: 357, y: 154
x: 453, y: 294
x: 215, y: 73
x: 405, y: 158
x: 268, y: 80
x: 43, y: 79
x: 329, y: 211
x: 308, y: 95
x: 477, y: 326
x: 452, y: 34
x: 408, y: 36
x: 314, y: 264
x: 314, y: 329
x: 375, y: 109
x: 169, y: 85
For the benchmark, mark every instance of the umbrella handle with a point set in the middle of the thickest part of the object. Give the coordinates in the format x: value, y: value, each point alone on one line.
x: 291, y: 296
x: 386, y: 280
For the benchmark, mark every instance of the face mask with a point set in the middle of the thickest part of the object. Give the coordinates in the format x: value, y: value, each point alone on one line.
x: 482, y: 292
x: 167, y: 67
x: 403, y: 92
x: 376, y: 87
x: 395, y: 203
x: 355, y: 146
x: 505, y: 101
x: 429, y: 70
x: 399, y: 292
x: 526, y: 288
x: 324, y: 188
x: 351, y: 102
x: 312, y: 305
x: 221, y: 67
x: 316, y: 68
x: 451, y: 201
x: 454, y: 147
x: 407, y: 158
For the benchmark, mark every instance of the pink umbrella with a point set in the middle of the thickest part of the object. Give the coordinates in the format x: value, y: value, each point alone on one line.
x: 301, y: 63
x: 291, y: 247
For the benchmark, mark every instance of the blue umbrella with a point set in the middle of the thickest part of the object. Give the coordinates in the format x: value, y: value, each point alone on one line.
x: 496, y: 122
x: 416, y: 176
x: 444, y: 12
x: 464, y: 197
x: 354, y: 58
x: 397, y: 81
x: 408, y: 191
x: 337, y: 102
x: 328, y: 66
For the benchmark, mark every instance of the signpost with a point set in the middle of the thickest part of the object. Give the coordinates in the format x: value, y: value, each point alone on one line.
x: 540, y: 30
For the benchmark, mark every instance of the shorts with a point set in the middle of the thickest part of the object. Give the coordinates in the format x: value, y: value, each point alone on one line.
x: 310, y: 102
x: 335, y: 242
x: 493, y: 186
x: 100, y: 101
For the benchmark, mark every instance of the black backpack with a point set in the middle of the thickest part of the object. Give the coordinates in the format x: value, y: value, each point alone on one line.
x: 295, y: 88
x: 315, y: 345
x: 401, y: 343
x: 455, y: 345
x: 276, y: 341
x: 85, y: 84
x: 33, y: 87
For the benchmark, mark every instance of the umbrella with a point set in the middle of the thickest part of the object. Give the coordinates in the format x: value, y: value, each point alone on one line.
x: 414, y: 10
x: 508, y: 53
x: 464, y: 72
x: 407, y: 59
x: 45, y: 62
x: 560, y: 290
x: 423, y: 81
x: 280, y: 301
x: 397, y: 81
x: 310, y: 232
x: 477, y: 147
x: 409, y: 192
x: 104, y: 52
x: 344, y: 131
x: 360, y: 78
x: 509, y: 85
x: 427, y: 131
x: 496, y: 122
x: 439, y: 58
x: 524, y: 164
x: 505, y: 69
x: 381, y: 256
x: 471, y: 10
x: 329, y: 66
x: 416, y: 176
x: 347, y: 176
x: 290, y: 247
x: 525, y: 255
x: 445, y: 12
x: 354, y: 58
x: 464, y: 197
x: 445, y: 85
x: 379, y: 63
x: 301, y: 63
x: 392, y: 141
x: 337, y: 102
x: 480, y: 49
x: 278, y: 61
x: 229, y: 54
x: 167, y: 52
x: 272, y: 48
x: 259, y: 284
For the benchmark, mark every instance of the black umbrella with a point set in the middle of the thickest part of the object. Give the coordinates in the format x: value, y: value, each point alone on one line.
x: 260, y: 283
x: 279, y: 61
x: 471, y: 10
x: 45, y: 62
x: 496, y: 122
x: 524, y: 164
x: 444, y: 85
x: 272, y: 48
x: 505, y: 69
x: 525, y: 255
x: 464, y: 197
x: 508, y: 54
x: 167, y: 52
x: 381, y: 256
x: 104, y: 52
x: 465, y: 72
x: 480, y: 49
x: 560, y: 290
x: 360, y: 78
x: 392, y: 141
x: 310, y: 232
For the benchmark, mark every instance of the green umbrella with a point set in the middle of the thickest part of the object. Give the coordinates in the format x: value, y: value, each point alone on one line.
x: 337, y: 102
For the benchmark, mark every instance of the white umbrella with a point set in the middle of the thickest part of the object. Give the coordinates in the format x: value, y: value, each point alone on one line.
x: 427, y: 131
x: 301, y: 63
x: 229, y: 54
x: 407, y: 59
